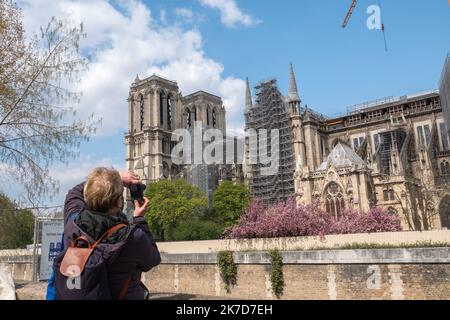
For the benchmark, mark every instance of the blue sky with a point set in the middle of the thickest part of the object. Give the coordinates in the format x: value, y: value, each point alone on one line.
x: 215, y: 44
x: 337, y: 67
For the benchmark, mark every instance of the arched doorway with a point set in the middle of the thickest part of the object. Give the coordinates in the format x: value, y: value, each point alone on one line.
x: 444, y: 212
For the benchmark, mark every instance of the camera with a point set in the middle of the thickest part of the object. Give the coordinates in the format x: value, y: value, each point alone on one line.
x: 137, y: 192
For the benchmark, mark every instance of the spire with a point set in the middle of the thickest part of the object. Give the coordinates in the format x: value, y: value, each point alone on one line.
x: 248, y: 97
x: 293, y: 91
x: 136, y: 80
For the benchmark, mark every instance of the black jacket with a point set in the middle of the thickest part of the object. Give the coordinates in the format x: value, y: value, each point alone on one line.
x: 132, y: 250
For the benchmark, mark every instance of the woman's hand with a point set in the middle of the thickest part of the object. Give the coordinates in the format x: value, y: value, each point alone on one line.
x: 140, y: 209
x: 129, y: 178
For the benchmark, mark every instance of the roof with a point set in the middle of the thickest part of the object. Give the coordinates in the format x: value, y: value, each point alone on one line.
x: 156, y: 77
x: 202, y: 93
x: 293, y: 90
x: 342, y: 156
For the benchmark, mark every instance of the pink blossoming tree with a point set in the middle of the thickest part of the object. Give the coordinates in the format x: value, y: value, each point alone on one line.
x: 286, y: 219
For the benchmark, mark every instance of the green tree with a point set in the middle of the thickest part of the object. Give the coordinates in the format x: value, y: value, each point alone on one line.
x: 16, y: 226
x: 172, y: 202
x: 230, y: 200
x: 196, y: 229
x: 37, y: 100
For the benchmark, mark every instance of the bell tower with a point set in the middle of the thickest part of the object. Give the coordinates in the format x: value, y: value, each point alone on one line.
x: 154, y: 112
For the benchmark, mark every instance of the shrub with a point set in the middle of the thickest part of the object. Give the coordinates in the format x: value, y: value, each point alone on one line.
x: 286, y: 219
x: 276, y: 273
x: 192, y: 230
x: 228, y: 269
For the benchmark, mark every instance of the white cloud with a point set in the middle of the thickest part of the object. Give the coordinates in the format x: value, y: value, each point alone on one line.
x: 194, y: 72
x: 186, y: 14
x: 123, y: 41
x: 76, y: 172
x: 230, y: 14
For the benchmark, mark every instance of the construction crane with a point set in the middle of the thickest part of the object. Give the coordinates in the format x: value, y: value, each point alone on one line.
x: 350, y: 12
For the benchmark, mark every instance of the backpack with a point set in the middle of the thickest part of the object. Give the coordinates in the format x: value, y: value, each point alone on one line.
x: 81, y: 272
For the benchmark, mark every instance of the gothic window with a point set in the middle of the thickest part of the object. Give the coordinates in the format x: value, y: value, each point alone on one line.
x: 420, y: 135
x: 445, y: 168
x: 424, y: 135
x: 141, y: 108
x: 376, y: 141
x: 188, y: 118
x: 391, y: 195
x: 166, y: 170
x: 334, y: 200
x: 388, y: 194
x: 208, y: 112
x: 195, y: 113
x: 163, y: 142
x: 322, y: 148
x: 427, y: 134
x: 357, y: 142
x: 214, y: 118
x: 161, y: 108
x: 169, y: 112
x: 444, y: 137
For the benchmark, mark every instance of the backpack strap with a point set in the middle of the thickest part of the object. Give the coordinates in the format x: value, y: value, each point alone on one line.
x: 108, y: 234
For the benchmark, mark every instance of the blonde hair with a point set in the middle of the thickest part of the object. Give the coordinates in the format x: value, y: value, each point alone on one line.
x: 102, y: 189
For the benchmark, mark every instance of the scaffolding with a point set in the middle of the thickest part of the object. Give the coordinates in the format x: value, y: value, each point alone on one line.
x: 270, y: 113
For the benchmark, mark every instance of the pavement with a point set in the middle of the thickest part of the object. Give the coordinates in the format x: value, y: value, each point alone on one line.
x: 37, y: 290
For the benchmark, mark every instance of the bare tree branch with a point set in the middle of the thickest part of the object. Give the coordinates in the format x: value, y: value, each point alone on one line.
x: 37, y: 104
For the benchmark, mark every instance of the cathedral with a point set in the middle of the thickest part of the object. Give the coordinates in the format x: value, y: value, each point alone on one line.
x: 392, y: 153
x: 156, y: 108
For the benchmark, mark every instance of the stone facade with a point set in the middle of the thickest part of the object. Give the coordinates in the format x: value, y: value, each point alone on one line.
x: 156, y: 108
x: 393, y: 153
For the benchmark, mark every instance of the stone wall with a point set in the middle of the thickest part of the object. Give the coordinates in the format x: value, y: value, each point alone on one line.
x: 191, y: 268
x: 307, y: 243
x: 21, y: 261
x: 319, y: 275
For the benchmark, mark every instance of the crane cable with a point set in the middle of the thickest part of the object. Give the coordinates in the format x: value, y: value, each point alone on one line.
x: 382, y: 26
